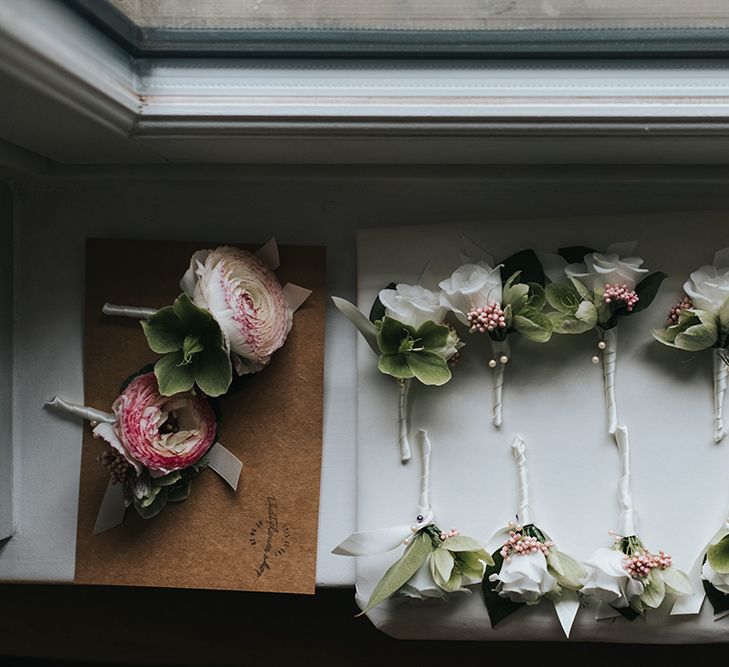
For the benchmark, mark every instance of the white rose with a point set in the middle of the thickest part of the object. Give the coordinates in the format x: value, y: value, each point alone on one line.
x: 717, y: 580
x: 598, y: 270
x: 471, y: 286
x: 412, y: 305
x: 608, y: 580
x: 524, y: 578
x: 708, y: 288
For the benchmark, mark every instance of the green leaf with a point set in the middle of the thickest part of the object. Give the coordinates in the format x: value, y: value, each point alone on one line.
x: 180, y: 492
x: 213, y: 371
x: 513, y: 278
x: 395, y: 365
x: 165, y: 331
x: 536, y: 327
x: 655, y: 590
x: 473, y: 563
x: 498, y: 607
x: 527, y: 263
x: 718, y: 555
x: 428, y: 367
x: 191, y: 346
x: 677, y: 581
x: 462, y: 543
x: 567, y: 571
x: 168, y: 480
x: 391, y: 335
x: 563, y: 323
x: 646, y: 290
x: 377, y: 312
x: 575, y: 254
x: 563, y: 298
x: 587, y: 314
x: 627, y: 612
x: 194, y: 319
x: 516, y: 296
x: 172, y: 377
x: 441, y: 566
x: 698, y: 337
x: 537, y: 298
x: 432, y: 335
x: 153, y: 508
x: 581, y: 289
x: 402, y: 570
x: 719, y: 601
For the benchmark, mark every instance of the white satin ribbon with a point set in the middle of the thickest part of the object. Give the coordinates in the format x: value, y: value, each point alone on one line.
x: 370, y: 542
x: 89, y: 414
x: 518, y: 448
x: 721, y: 371
x: 134, y: 312
x: 628, y: 522
x: 609, y: 362
x: 403, y: 419
x: 500, y: 348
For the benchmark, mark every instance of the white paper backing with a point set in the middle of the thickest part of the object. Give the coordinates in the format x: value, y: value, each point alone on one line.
x: 554, y: 397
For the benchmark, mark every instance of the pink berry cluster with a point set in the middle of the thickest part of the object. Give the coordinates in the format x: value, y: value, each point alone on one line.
x: 451, y: 533
x: 521, y: 545
x: 620, y: 293
x: 640, y: 565
x: 675, y: 312
x: 488, y: 318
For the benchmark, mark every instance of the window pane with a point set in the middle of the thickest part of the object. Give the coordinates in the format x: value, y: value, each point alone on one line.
x: 420, y: 27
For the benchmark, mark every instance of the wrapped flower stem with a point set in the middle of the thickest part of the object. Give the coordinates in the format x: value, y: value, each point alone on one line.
x: 502, y: 353
x: 721, y: 371
x: 134, y: 312
x: 518, y: 448
x: 404, y: 418
x: 628, y: 523
x: 609, y: 361
x: 88, y: 414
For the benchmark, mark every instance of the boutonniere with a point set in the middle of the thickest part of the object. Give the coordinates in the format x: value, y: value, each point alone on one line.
x: 528, y: 567
x: 499, y: 300
x: 593, y: 290
x: 627, y: 578
x: 407, y: 332
x: 232, y: 314
x: 435, y: 563
x: 157, y: 445
x: 700, y: 321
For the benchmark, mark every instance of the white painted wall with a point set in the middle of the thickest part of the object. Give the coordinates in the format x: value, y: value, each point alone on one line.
x: 6, y: 361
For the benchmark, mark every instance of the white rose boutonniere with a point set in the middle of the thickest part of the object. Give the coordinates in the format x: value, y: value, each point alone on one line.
x: 700, y: 321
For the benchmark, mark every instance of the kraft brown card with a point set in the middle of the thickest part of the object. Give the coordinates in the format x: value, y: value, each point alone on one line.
x: 261, y: 537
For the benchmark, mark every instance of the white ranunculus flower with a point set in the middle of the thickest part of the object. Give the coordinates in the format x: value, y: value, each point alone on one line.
x: 524, y: 578
x: 717, y: 580
x: 246, y: 300
x: 471, y: 286
x: 412, y: 305
x: 598, y: 270
x: 708, y: 288
x: 608, y: 580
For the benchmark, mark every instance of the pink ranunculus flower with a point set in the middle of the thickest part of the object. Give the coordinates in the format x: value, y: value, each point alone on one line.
x: 159, y: 433
x: 246, y: 300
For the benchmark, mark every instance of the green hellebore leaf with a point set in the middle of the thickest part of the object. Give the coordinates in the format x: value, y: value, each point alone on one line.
x: 172, y: 376
x: 213, y: 371
x: 432, y: 336
x: 718, y: 555
x: 516, y: 296
x: 192, y: 345
x: 567, y: 571
x: 498, y: 607
x: 698, y: 337
x: 377, y: 312
x: 563, y: 298
x: 512, y: 279
x: 537, y: 299
x: 677, y: 581
x: 180, y: 491
x: 395, y: 365
x: 391, y: 335
x: 665, y: 336
x: 155, y: 506
x: 168, y: 480
x: 462, y: 543
x: 428, y: 367
x: 563, y: 323
x: 537, y: 327
x: 655, y: 590
x: 581, y: 288
x: 441, y: 566
x: 473, y: 563
x: 719, y: 601
x: 575, y: 254
x: 165, y: 331
x: 587, y: 314
x: 527, y: 264
x: 402, y: 570
x: 194, y: 319
x: 454, y: 583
